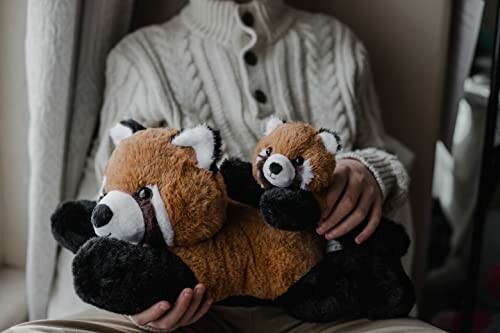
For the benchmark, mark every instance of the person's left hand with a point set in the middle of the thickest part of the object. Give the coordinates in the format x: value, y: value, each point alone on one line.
x: 354, y: 196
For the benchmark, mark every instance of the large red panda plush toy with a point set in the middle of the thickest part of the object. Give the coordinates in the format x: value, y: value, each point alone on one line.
x: 165, y: 222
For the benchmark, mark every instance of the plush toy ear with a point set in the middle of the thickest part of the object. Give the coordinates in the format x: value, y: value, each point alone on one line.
x: 123, y: 130
x: 272, y: 124
x: 205, y: 141
x: 331, y: 140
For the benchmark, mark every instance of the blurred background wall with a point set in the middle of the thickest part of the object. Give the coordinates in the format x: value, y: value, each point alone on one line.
x: 14, y: 164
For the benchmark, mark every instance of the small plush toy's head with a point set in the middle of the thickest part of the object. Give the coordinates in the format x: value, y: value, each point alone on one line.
x: 161, y: 186
x: 295, y: 155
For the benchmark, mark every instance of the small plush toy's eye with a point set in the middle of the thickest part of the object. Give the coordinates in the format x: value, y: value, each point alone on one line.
x: 145, y: 193
x: 269, y: 151
x: 298, y: 161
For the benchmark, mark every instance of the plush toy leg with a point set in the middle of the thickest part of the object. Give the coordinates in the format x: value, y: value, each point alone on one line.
x: 71, y: 224
x: 390, y: 293
x: 120, y: 277
x: 240, y: 183
x: 330, y: 291
x: 291, y: 210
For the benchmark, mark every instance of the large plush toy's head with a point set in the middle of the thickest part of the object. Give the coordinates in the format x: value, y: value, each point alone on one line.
x: 295, y: 155
x: 161, y: 186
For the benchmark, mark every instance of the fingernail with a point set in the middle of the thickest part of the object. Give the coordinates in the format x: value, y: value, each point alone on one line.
x: 164, y: 306
x: 359, y: 240
x: 186, y: 293
x: 320, y: 230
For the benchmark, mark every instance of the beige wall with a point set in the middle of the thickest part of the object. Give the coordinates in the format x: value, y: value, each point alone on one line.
x: 13, y: 130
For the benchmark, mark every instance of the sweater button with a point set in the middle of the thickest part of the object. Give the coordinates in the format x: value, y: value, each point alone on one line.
x: 248, y: 19
x: 260, y: 96
x: 250, y: 58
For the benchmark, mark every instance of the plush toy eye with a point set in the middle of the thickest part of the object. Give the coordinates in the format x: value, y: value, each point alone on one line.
x: 298, y: 161
x: 145, y: 193
x: 269, y: 151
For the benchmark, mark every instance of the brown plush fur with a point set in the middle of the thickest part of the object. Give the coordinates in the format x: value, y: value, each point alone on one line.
x: 298, y: 139
x: 226, y: 244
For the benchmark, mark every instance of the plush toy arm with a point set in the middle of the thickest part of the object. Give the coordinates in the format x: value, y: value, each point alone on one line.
x: 124, y: 278
x: 291, y: 210
x: 240, y: 183
x: 71, y: 224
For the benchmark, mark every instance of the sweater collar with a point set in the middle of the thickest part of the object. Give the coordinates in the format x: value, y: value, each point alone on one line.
x: 222, y: 19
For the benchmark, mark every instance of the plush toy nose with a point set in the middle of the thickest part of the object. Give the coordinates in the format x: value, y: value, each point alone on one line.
x: 275, y: 168
x: 101, y: 215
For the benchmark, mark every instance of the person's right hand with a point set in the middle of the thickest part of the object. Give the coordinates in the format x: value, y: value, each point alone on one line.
x: 187, y: 309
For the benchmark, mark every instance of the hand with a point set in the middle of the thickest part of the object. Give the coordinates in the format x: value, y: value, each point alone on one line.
x: 188, y: 309
x: 354, y: 196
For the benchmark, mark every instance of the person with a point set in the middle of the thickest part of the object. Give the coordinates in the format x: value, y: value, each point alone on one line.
x: 232, y: 65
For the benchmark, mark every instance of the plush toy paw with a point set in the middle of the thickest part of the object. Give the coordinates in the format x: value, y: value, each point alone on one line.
x: 240, y: 184
x: 291, y: 210
x: 124, y: 278
x: 71, y: 225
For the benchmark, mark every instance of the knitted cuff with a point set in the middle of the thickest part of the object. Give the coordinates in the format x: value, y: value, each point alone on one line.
x: 375, y: 161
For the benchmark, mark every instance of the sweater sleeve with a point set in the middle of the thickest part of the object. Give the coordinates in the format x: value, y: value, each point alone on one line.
x: 369, y: 146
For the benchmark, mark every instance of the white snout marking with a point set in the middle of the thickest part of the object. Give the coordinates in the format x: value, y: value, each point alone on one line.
x: 127, y: 222
x: 285, y: 177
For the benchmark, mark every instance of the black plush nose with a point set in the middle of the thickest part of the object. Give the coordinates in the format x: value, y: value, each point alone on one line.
x: 275, y: 168
x: 101, y: 215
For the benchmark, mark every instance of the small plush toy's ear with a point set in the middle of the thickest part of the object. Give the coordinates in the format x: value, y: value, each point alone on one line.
x: 205, y: 141
x: 123, y: 130
x: 272, y: 124
x: 331, y: 140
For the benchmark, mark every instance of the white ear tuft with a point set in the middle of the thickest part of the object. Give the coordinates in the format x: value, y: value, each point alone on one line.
x: 123, y: 130
x: 205, y: 141
x: 331, y: 140
x: 272, y: 124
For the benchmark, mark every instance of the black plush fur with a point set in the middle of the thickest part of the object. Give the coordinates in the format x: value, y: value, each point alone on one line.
x: 70, y: 223
x: 364, y: 280
x: 121, y: 277
x: 240, y: 183
x: 290, y: 209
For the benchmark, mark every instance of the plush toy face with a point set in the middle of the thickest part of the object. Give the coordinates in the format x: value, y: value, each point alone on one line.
x: 295, y: 155
x: 149, y: 194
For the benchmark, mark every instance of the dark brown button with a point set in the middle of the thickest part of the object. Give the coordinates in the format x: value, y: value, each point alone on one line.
x: 260, y: 96
x: 248, y: 19
x: 250, y: 58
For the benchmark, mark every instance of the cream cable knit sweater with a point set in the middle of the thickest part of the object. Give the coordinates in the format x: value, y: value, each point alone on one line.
x: 233, y: 66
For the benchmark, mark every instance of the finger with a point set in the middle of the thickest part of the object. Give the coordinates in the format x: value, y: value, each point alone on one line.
x: 151, y: 314
x: 356, y: 217
x: 335, y: 192
x: 203, y: 309
x: 171, y: 319
x: 345, y: 206
x: 198, y: 293
x: 375, y: 216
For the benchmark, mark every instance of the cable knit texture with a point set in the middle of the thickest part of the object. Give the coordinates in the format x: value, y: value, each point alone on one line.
x: 196, y: 68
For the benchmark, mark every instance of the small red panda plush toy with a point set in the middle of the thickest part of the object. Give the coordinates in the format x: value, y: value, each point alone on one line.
x: 292, y: 170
